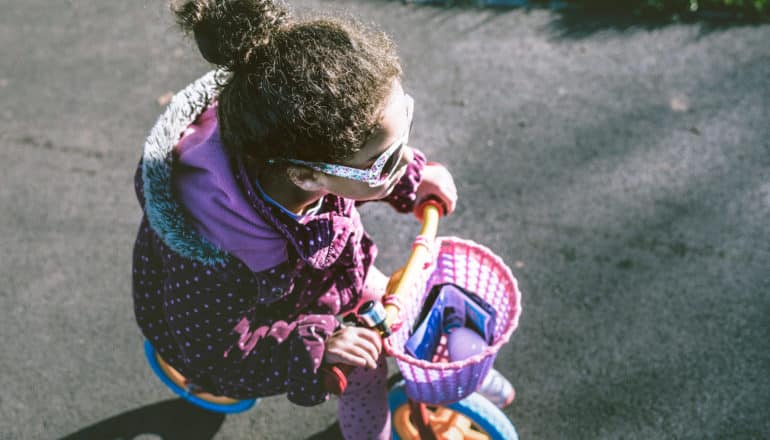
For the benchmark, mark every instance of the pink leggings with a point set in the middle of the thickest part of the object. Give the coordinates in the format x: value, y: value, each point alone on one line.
x: 363, y: 407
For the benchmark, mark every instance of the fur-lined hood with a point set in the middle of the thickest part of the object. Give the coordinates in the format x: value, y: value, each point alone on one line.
x: 164, y: 213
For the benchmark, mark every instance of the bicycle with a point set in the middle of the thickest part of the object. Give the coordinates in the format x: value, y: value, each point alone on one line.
x: 434, y: 399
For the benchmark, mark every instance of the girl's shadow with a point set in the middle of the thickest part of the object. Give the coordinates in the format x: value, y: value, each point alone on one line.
x: 170, y: 420
x: 173, y: 419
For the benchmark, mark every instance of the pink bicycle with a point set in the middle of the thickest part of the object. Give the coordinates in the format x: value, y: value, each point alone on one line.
x: 436, y: 399
x: 433, y: 399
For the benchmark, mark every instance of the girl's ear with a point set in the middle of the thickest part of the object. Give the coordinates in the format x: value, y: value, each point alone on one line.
x: 305, y: 178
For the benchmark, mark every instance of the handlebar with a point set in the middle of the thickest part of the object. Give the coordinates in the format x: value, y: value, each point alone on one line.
x: 428, y: 211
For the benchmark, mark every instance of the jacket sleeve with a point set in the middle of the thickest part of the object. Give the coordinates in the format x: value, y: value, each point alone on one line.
x: 235, y: 330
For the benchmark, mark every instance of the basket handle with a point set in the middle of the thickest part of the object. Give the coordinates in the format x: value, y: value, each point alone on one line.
x: 428, y: 211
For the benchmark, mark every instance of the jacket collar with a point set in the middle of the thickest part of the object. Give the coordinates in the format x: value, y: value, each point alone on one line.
x: 318, y: 239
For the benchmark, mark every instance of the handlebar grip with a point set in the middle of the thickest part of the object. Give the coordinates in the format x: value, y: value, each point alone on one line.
x: 419, y: 207
x: 334, y: 377
x: 371, y: 315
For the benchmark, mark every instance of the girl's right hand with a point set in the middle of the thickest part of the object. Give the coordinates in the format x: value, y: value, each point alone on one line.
x: 357, y: 346
x: 438, y: 182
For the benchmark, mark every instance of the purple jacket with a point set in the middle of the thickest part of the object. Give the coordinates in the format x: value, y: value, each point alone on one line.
x: 232, y: 323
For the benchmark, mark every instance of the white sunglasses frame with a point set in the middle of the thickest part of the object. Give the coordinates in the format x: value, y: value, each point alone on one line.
x: 372, y: 175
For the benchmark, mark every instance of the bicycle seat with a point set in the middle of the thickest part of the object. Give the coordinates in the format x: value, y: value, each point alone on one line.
x: 178, y: 384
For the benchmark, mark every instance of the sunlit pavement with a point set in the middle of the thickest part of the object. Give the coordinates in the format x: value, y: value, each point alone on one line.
x: 622, y: 171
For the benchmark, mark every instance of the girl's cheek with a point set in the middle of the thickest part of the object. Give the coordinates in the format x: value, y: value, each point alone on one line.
x: 408, y: 155
x: 376, y: 193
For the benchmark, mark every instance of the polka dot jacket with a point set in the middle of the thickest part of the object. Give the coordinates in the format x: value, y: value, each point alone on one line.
x: 230, y: 330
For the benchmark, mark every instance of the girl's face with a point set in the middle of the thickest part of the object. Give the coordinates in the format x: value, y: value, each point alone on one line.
x: 394, y: 125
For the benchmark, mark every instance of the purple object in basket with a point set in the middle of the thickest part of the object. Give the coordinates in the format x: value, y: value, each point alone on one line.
x: 463, y: 343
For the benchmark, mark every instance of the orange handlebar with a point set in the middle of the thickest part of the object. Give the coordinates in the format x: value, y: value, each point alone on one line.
x: 429, y: 211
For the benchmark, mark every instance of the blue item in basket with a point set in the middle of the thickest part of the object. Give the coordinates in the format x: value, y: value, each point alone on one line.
x: 449, y: 304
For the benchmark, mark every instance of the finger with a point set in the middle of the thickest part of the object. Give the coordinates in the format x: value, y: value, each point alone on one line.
x: 343, y: 357
x: 355, y: 355
x: 452, y: 194
x: 336, y: 349
x: 452, y: 202
x: 371, y: 353
x: 373, y: 337
x: 362, y: 339
x: 363, y: 348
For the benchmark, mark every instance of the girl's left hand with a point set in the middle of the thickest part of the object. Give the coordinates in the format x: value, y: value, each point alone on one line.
x: 438, y: 182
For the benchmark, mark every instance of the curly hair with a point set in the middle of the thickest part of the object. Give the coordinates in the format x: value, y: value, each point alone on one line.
x: 300, y: 89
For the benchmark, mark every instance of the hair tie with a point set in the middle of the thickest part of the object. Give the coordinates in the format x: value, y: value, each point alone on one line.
x: 394, y: 301
x: 427, y: 243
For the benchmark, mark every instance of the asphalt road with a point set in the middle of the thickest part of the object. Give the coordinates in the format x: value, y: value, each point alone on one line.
x: 622, y: 170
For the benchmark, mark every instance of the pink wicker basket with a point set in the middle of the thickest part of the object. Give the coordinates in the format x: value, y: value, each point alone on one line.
x: 477, y: 269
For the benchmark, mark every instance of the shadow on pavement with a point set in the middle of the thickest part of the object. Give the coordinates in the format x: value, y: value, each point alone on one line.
x: 331, y: 433
x: 172, y: 419
x: 577, y: 23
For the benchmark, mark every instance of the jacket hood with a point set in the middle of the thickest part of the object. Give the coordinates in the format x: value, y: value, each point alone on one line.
x: 164, y: 213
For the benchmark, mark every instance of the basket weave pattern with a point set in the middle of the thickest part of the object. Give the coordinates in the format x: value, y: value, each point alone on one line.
x: 477, y: 269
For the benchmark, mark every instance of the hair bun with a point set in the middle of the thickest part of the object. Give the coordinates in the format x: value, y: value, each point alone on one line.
x: 228, y: 31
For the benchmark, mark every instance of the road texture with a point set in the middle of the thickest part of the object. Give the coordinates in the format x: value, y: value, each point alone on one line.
x: 621, y: 169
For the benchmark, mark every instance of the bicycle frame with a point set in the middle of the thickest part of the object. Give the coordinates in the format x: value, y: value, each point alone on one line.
x: 429, y: 212
x: 420, y: 256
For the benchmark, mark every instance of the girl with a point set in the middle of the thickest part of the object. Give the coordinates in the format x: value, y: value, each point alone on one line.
x: 251, y: 244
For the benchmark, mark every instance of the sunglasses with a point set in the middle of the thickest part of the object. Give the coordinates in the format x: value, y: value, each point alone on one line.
x: 381, y: 170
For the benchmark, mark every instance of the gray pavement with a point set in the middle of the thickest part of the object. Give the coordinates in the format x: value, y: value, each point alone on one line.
x: 622, y: 170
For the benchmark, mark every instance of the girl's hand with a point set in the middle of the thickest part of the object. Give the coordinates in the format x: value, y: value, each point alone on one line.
x: 355, y: 346
x: 438, y: 182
